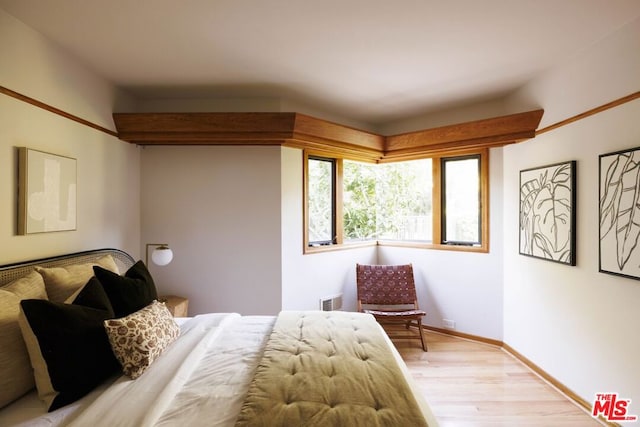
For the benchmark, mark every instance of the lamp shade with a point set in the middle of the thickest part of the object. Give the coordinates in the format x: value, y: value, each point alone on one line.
x: 162, y: 255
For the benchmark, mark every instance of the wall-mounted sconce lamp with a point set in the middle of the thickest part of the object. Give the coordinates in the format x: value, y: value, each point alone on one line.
x: 161, y: 255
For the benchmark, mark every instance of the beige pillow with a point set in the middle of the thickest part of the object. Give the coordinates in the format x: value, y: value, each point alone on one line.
x: 62, y: 282
x: 16, y: 375
x: 139, y: 338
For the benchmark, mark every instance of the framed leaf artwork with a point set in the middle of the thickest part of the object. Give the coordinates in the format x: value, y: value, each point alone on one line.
x: 548, y: 213
x: 619, y: 175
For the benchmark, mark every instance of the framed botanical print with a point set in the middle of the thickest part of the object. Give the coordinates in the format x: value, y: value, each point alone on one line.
x: 619, y: 208
x: 548, y: 212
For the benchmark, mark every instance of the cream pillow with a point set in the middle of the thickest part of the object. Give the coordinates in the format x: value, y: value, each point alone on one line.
x: 139, y: 338
x: 16, y: 375
x: 62, y: 282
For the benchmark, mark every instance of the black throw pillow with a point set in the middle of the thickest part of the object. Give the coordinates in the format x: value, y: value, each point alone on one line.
x: 68, y: 345
x: 129, y: 293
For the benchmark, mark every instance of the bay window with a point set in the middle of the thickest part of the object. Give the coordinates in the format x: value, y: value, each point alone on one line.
x: 436, y: 202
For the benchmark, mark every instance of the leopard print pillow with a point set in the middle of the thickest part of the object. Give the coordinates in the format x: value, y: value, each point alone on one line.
x: 139, y: 338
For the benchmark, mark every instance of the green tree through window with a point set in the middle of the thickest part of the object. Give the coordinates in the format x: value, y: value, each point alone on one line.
x: 359, y: 201
x: 388, y: 201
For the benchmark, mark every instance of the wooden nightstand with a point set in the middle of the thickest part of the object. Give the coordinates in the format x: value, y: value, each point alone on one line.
x: 178, y: 306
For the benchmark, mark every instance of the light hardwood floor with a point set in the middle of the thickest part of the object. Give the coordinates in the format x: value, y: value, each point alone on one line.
x: 472, y: 384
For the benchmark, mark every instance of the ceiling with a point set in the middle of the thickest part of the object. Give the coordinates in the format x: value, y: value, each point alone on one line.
x: 373, y: 61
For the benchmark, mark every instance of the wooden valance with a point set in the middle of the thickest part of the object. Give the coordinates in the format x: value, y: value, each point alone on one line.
x: 299, y: 130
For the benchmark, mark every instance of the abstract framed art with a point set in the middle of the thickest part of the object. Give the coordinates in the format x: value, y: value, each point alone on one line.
x: 46, y: 192
x: 548, y: 212
x: 619, y: 213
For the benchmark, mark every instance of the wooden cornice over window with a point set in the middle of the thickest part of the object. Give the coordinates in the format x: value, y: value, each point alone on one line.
x: 485, y: 133
x: 299, y: 130
x: 321, y: 135
x: 204, y: 128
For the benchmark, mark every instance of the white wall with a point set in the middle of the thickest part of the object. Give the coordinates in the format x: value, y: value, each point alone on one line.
x: 307, y: 278
x: 219, y: 210
x: 36, y: 67
x: 607, y: 71
x: 206, y: 105
x: 108, y: 210
x: 577, y: 324
x: 233, y: 217
x: 462, y: 286
x: 449, y: 116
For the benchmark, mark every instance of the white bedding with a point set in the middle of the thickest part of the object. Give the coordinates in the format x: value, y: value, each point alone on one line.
x: 29, y: 410
x: 185, y: 386
x: 199, y: 380
x: 214, y: 359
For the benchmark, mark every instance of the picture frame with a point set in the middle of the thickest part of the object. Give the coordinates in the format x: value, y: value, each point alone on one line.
x: 47, y: 187
x: 547, y: 219
x: 619, y: 213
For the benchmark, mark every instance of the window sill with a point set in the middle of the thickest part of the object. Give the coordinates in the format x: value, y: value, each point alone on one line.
x: 401, y: 244
x: 424, y: 245
x: 338, y: 247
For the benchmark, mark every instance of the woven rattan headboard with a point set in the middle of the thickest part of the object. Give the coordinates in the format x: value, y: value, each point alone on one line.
x: 11, y: 272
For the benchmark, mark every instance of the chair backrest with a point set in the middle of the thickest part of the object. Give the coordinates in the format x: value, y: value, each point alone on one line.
x: 385, y: 284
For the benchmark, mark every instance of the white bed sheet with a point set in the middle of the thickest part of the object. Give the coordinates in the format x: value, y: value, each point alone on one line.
x: 30, y: 411
x: 214, y: 394
x: 178, y: 389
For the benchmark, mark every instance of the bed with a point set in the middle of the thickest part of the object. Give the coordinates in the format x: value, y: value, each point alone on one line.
x: 84, y: 341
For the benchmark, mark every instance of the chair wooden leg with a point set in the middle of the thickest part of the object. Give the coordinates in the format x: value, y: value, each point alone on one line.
x: 421, y: 332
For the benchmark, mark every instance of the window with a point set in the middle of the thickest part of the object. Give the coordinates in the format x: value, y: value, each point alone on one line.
x: 359, y: 200
x: 387, y: 201
x: 437, y: 202
x: 404, y: 201
x: 321, y: 202
x: 461, y: 200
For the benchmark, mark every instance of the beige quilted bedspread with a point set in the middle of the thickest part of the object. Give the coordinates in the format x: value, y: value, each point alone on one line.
x: 328, y: 369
